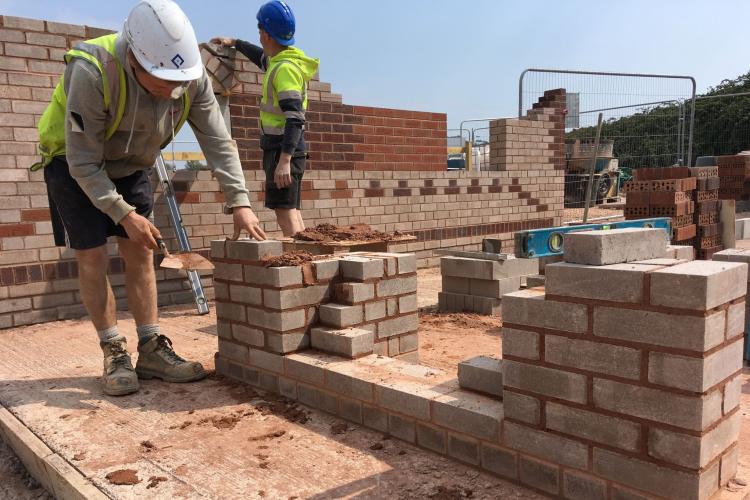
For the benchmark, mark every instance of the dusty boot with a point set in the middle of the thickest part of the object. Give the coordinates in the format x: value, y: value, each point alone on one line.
x: 118, y: 378
x: 156, y: 359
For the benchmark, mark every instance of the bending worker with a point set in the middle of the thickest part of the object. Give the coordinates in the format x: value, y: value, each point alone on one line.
x: 282, y: 109
x: 122, y: 98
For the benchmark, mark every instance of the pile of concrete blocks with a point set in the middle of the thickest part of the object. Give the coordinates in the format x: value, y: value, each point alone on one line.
x: 622, y: 378
x: 738, y: 255
x: 477, y: 284
x: 742, y: 229
x: 350, y: 305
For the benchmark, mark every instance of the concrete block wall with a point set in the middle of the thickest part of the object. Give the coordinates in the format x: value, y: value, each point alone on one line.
x: 338, y: 301
x: 627, y: 384
x: 743, y: 256
x: 477, y: 285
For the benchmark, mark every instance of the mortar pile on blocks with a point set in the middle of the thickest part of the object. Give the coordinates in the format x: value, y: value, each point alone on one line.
x: 623, y: 375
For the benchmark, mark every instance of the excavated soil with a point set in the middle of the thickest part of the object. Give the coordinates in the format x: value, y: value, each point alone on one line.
x: 123, y: 476
x: 357, y: 232
x: 293, y: 258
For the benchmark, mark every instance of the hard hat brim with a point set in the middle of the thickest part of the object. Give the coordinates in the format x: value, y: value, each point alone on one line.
x: 281, y: 41
x: 169, y: 74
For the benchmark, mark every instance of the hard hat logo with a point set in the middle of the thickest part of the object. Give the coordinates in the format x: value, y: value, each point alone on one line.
x: 178, y: 61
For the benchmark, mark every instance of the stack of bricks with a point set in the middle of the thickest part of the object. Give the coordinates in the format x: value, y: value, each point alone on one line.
x: 280, y: 310
x: 734, y: 175
x: 708, y: 239
x: 663, y: 192
x: 478, y: 284
x: 623, y: 379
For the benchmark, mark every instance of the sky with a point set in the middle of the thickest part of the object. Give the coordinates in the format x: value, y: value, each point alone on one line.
x: 465, y: 58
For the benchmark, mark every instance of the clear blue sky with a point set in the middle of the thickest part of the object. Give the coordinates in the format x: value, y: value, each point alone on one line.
x: 464, y: 58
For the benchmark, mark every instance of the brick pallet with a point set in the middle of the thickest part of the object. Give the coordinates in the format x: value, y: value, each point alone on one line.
x: 734, y: 177
x: 708, y: 239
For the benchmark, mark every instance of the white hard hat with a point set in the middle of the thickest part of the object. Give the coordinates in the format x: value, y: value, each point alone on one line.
x: 163, y: 41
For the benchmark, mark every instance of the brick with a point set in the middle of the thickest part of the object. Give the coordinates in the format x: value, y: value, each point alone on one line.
x: 351, y: 386
x: 397, y: 286
x: 408, y: 304
x: 545, y: 445
x: 594, y: 282
x: 520, y: 343
x: 462, y: 267
x: 463, y: 449
x: 374, y: 418
x: 66, y: 29
x: 277, y: 321
x: 322, y: 400
x: 612, y: 431
x: 231, y: 312
x: 252, y: 249
x: 23, y: 50
x: 401, y: 428
x: 529, y: 307
x: 374, y: 310
x: 304, y: 368
x: 7, y: 35
x: 11, y: 305
x: 408, y: 343
x: 689, y: 412
x: 354, y: 293
x: 535, y: 280
x: 736, y: 316
x: 277, y: 277
x: 729, y: 466
x: 326, y: 269
x: 287, y: 388
x: 340, y: 315
x: 268, y: 382
x: 468, y: 413
x: 521, y: 407
x: 694, y: 374
x: 408, y: 398
x: 667, y: 330
x: 217, y: 249
x: 23, y: 23
x: 231, y: 272
x: 391, y: 307
x: 432, y: 438
x: 681, y: 252
x: 245, y: 294
x: 700, y: 285
x: 283, y: 343
x: 297, y: 297
x: 46, y: 40
x: 361, y: 268
x: 224, y: 330
x: 497, y: 460
x: 455, y: 284
x: 653, y: 478
x: 247, y: 335
x: 733, y: 255
x: 692, y: 451
x: 494, y: 288
x: 596, y: 357
x: 482, y: 374
x: 578, y: 486
x: 350, y: 410
x: 267, y: 361
x: 545, y: 381
x: 732, y: 394
x: 541, y: 475
x: 233, y: 351
x: 350, y: 343
x: 398, y: 326
x: 614, y: 246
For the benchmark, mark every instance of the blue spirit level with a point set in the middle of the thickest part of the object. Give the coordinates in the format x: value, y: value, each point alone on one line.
x: 547, y: 242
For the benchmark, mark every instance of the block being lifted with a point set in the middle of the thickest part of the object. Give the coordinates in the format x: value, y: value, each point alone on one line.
x: 614, y: 246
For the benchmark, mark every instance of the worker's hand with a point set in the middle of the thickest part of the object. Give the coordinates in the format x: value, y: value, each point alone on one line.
x: 226, y: 42
x: 283, y: 173
x: 140, y: 230
x: 244, y: 218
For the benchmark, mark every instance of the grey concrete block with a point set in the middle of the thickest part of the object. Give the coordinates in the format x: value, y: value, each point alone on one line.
x: 681, y: 252
x: 350, y: 342
x: 463, y: 449
x: 304, y: 368
x: 596, y: 357
x: 343, y: 384
x: 374, y: 310
x: 246, y: 335
x: 545, y: 381
x: 374, y: 418
x: 454, y: 284
x: 296, y: 297
x: 614, y: 246
x: 391, y: 307
x: 341, y: 315
x: 232, y: 351
x: 246, y: 294
x: 529, y: 308
x: 224, y: 330
x: 283, y: 343
x: 322, y: 400
x: 545, y: 445
x: 361, y: 268
x: 397, y: 286
x: 267, y: 361
x: 230, y: 312
x: 472, y: 414
x: 281, y: 321
x: 521, y: 407
x: 268, y: 381
x: 354, y: 293
x: 350, y: 410
x: 484, y: 305
x: 612, y: 431
x: 326, y: 269
x: 464, y: 267
x: 277, y: 277
x: 500, y: 461
x: 408, y: 343
x: 535, y: 280
x: 408, y: 304
x: 520, y: 343
x: 494, y: 288
x: 540, y: 475
x: 217, y: 249
x: 577, y: 486
x: 732, y: 394
x: 252, y: 249
x: 401, y: 428
x: 287, y: 388
x: 482, y: 374
x: 700, y: 285
x: 694, y: 374
x: 432, y: 438
x: 614, y: 282
x: 229, y: 272
x: 398, y: 326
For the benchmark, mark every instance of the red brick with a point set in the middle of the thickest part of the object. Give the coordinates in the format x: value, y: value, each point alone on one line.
x: 35, y: 215
x: 7, y: 230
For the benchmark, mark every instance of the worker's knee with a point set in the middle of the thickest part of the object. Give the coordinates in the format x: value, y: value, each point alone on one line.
x: 134, y: 253
x: 93, y: 258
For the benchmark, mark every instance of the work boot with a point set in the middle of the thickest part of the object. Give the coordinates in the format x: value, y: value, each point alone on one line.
x: 118, y: 378
x: 156, y: 359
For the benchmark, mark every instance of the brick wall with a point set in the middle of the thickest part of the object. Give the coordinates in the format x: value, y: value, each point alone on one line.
x: 378, y: 166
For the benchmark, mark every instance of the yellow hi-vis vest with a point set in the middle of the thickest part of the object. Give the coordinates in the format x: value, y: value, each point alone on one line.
x: 100, y: 52
x: 272, y: 118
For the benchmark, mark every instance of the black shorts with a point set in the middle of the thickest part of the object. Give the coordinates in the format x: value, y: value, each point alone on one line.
x: 288, y: 197
x: 76, y: 222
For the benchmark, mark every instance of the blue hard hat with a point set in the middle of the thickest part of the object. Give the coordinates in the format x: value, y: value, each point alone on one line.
x: 277, y: 19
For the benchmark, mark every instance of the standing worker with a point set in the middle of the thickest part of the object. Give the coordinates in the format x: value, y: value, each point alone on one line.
x: 122, y: 98
x: 282, y: 109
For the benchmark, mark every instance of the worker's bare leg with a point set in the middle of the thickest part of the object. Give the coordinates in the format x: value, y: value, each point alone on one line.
x: 96, y: 293
x: 140, y: 281
x: 290, y: 221
x: 119, y: 377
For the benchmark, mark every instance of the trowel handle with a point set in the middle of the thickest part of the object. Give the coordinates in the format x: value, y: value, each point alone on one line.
x: 163, y: 246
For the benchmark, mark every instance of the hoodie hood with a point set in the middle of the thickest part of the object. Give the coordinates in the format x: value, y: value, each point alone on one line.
x: 308, y: 65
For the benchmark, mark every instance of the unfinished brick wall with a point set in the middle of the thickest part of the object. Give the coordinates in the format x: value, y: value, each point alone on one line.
x: 351, y: 305
x: 609, y: 390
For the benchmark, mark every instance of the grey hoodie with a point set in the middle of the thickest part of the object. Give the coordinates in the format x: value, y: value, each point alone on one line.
x: 145, y: 126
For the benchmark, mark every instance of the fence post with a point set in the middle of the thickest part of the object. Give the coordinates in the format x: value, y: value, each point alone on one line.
x: 592, y: 169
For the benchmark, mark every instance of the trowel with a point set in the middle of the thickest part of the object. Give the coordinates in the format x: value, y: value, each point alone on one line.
x: 183, y: 260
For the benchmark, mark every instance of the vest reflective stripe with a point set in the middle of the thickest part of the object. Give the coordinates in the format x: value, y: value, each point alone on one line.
x: 99, y: 52
x: 274, y: 124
